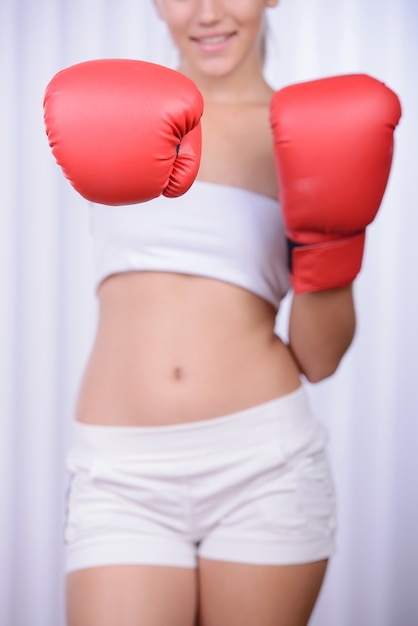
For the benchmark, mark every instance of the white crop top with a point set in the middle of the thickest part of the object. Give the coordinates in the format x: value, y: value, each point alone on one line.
x: 213, y: 230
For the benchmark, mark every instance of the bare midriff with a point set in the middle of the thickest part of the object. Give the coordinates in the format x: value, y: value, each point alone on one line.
x: 173, y: 348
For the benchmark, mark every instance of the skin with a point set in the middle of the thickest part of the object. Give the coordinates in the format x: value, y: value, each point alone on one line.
x: 150, y: 368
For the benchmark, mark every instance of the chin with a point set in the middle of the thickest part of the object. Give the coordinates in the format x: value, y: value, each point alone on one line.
x: 215, y: 68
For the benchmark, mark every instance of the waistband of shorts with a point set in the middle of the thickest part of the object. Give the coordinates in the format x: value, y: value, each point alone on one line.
x: 249, y: 427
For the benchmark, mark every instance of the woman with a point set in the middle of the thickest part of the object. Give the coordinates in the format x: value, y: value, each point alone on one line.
x: 195, y: 449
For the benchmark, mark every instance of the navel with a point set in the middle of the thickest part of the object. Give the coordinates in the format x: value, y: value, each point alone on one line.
x: 178, y: 373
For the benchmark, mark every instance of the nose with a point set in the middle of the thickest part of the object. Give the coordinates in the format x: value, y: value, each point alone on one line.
x: 210, y: 11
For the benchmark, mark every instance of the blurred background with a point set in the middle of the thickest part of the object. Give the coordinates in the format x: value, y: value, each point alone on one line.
x: 48, y: 308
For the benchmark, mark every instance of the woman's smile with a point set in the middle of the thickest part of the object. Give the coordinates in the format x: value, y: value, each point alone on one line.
x: 216, y: 42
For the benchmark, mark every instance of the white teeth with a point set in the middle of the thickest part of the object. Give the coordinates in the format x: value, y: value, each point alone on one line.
x: 212, y: 40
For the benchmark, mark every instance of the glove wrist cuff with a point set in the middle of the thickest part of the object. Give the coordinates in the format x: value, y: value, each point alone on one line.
x: 328, y: 265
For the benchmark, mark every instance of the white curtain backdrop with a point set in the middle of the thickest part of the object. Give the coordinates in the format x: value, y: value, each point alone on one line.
x: 48, y: 310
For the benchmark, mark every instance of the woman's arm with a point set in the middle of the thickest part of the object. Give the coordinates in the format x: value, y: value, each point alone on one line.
x: 321, y: 328
x: 333, y: 147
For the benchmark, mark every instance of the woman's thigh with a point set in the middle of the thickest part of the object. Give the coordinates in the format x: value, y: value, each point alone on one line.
x: 132, y: 595
x: 236, y: 594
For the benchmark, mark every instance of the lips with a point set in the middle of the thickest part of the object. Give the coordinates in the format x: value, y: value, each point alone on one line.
x: 213, y: 42
x: 214, y: 39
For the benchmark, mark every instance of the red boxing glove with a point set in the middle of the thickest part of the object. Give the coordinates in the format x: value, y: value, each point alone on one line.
x: 124, y: 131
x: 333, y: 147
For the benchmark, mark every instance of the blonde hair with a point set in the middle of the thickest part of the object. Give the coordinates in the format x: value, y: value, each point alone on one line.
x: 263, y: 44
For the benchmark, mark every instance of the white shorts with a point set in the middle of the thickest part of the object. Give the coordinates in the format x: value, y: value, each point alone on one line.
x: 251, y: 487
